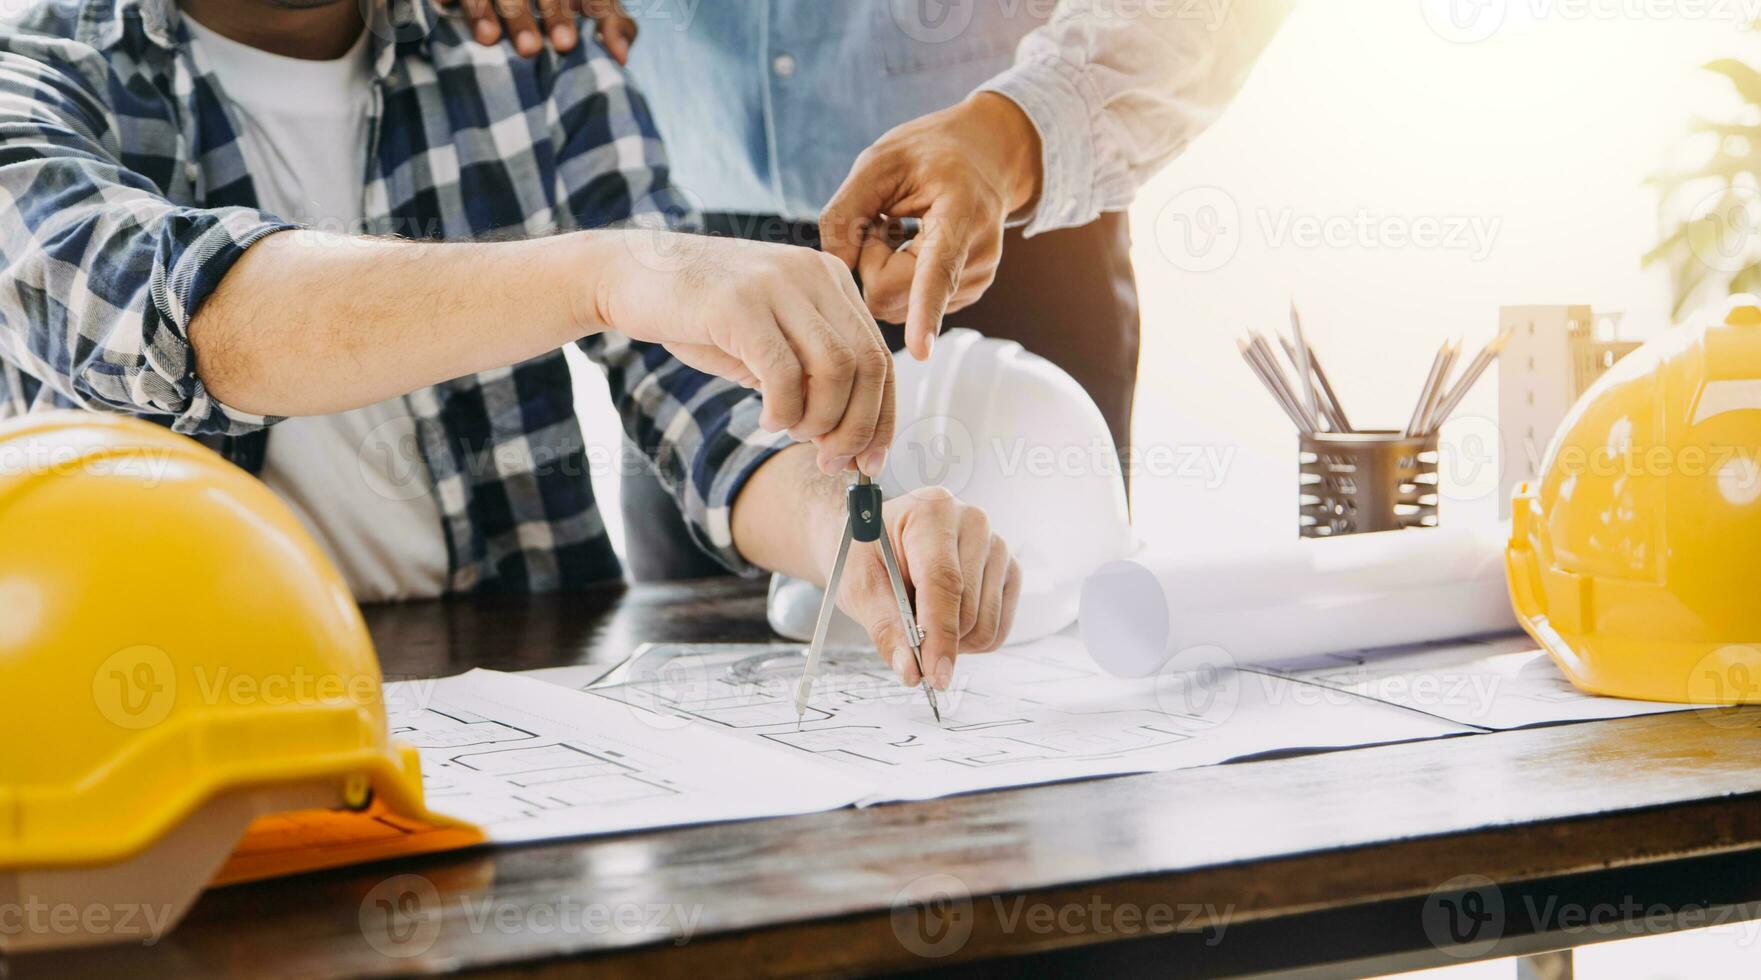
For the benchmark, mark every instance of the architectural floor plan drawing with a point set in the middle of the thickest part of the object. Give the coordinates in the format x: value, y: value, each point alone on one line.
x: 1498, y: 682
x: 1031, y: 714
x: 694, y: 733
x: 690, y: 734
x: 530, y: 761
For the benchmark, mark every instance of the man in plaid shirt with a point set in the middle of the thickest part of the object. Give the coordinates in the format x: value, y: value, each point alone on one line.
x: 155, y: 159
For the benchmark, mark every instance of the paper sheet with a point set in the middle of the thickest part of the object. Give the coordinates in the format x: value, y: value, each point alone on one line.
x: 529, y: 761
x: 1500, y: 683
x: 1298, y: 598
x: 1031, y: 714
x: 692, y: 734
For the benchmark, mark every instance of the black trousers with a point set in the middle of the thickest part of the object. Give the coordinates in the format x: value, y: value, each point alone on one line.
x: 1068, y: 296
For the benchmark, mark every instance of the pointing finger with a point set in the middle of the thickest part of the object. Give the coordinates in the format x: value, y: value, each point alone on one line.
x: 941, y: 257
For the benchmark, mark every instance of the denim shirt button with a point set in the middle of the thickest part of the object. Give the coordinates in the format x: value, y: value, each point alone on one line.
x: 783, y: 65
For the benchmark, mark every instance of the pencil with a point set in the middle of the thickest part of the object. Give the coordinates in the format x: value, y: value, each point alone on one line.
x: 1300, y: 360
x: 1269, y: 362
x: 1477, y: 367
x: 1330, y: 402
x: 1418, y: 410
x: 1436, y: 399
x: 1248, y: 355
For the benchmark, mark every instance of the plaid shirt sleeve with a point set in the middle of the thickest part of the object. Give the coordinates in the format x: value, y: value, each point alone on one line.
x: 101, y: 274
x: 701, y: 432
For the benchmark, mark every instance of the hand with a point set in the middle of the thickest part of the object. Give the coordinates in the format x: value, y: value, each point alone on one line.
x: 488, y: 18
x: 964, y: 171
x: 964, y: 583
x: 786, y: 321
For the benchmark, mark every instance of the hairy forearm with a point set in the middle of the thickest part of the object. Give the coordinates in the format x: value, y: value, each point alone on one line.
x: 786, y: 513
x: 308, y: 323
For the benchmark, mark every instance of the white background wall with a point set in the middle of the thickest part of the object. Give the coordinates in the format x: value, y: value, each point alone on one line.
x: 1531, y: 141
x: 1535, y: 138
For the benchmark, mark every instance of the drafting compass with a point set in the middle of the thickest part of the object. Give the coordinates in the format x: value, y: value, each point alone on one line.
x: 862, y: 524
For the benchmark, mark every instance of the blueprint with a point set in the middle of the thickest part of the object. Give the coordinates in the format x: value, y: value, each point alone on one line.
x: 1500, y: 682
x: 1031, y: 714
x: 525, y: 761
x: 696, y: 734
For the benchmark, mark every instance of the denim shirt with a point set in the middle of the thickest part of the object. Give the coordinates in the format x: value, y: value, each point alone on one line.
x: 765, y: 104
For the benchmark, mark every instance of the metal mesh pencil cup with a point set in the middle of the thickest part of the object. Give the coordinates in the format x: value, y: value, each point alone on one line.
x: 1353, y: 482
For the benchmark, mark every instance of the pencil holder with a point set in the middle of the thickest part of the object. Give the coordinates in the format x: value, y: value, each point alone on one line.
x: 1353, y: 482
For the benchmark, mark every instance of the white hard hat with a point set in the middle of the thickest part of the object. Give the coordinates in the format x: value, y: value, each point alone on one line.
x: 1014, y: 434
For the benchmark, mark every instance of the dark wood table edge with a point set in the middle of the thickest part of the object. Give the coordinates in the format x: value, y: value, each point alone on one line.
x: 854, y: 944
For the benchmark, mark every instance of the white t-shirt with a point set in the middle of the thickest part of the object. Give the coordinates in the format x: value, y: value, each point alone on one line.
x: 357, y: 480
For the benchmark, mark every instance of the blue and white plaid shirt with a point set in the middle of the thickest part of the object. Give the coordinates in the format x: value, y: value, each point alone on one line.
x: 124, y: 200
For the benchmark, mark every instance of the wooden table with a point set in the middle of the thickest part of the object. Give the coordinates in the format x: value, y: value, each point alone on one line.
x: 1342, y: 863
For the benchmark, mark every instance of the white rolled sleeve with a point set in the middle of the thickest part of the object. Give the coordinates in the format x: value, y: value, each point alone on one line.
x: 1118, y: 90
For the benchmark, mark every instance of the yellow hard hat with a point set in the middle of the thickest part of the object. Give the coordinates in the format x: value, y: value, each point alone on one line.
x: 173, y: 644
x: 1636, y: 560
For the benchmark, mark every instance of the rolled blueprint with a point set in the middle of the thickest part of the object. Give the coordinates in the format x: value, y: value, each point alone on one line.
x: 1298, y: 599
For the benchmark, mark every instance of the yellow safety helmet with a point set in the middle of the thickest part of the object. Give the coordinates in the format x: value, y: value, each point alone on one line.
x: 177, y: 659
x: 1636, y: 561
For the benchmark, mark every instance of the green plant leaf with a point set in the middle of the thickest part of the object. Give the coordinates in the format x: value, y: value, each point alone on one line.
x: 1662, y: 249
x: 1747, y: 280
x: 1726, y: 165
x: 1691, y: 275
x: 1746, y: 79
x: 1689, y: 237
x: 1699, y: 125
